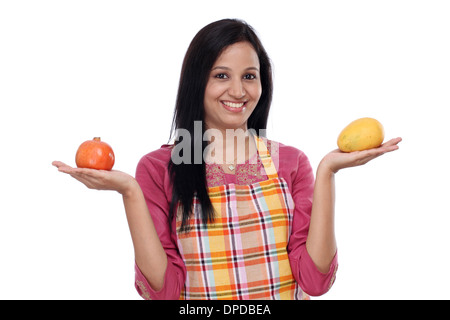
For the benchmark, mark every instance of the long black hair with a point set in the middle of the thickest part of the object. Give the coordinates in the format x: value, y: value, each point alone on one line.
x: 189, y: 177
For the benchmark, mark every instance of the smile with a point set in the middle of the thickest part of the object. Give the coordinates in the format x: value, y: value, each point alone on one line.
x: 234, y: 106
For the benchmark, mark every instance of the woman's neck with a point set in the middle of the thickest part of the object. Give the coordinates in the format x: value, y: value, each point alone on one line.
x: 230, y: 146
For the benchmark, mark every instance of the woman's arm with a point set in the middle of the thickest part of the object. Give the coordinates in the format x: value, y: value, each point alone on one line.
x: 149, y: 253
x: 321, y: 242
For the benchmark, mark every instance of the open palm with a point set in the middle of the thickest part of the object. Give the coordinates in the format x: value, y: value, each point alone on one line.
x: 337, y: 160
x: 98, y: 179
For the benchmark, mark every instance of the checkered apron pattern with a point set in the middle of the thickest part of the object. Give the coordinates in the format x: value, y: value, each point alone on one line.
x: 242, y: 253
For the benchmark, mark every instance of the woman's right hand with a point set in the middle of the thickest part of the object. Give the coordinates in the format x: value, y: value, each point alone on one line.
x: 150, y: 256
x: 99, y: 179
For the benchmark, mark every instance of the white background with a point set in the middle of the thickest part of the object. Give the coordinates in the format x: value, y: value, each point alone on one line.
x: 72, y: 70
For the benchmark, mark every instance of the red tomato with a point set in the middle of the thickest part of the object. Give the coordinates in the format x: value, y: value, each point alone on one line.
x: 95, y: 154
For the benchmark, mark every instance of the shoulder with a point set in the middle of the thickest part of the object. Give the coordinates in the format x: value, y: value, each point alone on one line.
x: 152, y: 175
x: 158, y: 157
x: 154, y: 166
x: 291, y: 162
x: 286, y: 153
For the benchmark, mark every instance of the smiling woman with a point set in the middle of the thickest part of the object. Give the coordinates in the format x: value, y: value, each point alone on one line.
x: 259, y: 228
x: 214, y: 74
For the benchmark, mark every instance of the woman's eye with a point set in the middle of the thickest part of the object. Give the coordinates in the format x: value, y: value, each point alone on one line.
x: 221, y: 76
x: 225, y: 76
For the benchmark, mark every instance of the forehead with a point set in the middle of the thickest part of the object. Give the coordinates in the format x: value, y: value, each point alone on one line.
x: 240, y: 53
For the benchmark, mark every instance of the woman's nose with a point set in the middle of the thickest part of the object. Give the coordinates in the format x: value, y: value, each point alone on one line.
x: 236, y: 89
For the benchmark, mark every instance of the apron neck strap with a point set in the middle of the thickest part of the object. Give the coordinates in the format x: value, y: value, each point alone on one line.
x: 266, y: 160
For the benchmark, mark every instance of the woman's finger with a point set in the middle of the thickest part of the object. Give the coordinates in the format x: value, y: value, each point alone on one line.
x: 391, y: 143
x: 83, y: 180
x: 58, y: 163
x: 62, y: 167
x: 90, y: 179
x: 388, y: 146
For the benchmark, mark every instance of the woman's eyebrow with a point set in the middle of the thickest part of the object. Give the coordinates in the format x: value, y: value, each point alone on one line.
x: 229, y: 69
x: 252, y: 68
x: 221, y: 67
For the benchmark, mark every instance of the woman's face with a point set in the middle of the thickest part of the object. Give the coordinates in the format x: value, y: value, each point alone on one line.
x: 233, y: 88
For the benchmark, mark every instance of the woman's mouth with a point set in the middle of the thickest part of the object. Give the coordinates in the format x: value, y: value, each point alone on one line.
x: 234, y: 106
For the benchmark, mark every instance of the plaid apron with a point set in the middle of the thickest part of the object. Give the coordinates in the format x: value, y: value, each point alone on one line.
x: 242, y: 253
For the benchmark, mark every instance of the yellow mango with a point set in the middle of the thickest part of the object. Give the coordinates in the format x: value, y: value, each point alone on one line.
x: 361, y: 134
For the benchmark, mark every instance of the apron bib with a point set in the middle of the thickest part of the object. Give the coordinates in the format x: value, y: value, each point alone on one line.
x: 242, y: 253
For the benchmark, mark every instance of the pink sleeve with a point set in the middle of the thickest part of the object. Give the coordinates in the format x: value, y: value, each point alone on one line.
x: 152, y: 176
x: 310, y: 279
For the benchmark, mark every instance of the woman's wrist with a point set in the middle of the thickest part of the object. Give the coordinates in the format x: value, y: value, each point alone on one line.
x: 130, y: 189
x: 326, y: 168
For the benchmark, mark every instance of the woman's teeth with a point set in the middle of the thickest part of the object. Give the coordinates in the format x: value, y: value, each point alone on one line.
x: 233, y: 104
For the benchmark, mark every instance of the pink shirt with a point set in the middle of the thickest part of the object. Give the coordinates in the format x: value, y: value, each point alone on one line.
x: 293, y: 165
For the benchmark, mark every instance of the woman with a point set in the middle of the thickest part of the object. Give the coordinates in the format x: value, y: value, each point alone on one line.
x: 225, y: 213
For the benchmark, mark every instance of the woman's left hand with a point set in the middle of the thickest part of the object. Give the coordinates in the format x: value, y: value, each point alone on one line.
x: 337, y: 160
